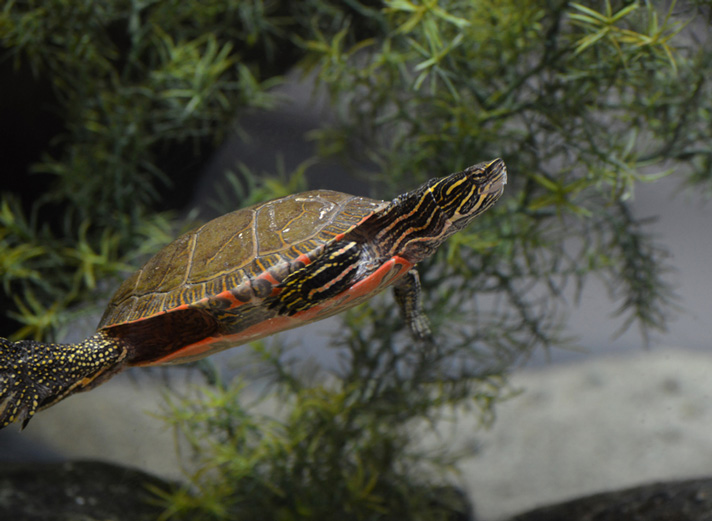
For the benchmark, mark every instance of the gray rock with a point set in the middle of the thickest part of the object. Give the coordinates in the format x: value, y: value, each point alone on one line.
x: 77, y: 491
x: 672, y: 501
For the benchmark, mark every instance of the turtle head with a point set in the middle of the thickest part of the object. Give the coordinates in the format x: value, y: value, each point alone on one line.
x: 417, y: 222
x: 465, y: 195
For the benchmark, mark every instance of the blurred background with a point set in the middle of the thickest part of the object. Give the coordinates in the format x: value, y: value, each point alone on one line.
x: 586, y: 288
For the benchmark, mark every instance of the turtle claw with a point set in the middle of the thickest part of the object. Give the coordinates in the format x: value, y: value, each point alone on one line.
x: 19, y: 399
x: 14, y: 409
x: 420, y: 328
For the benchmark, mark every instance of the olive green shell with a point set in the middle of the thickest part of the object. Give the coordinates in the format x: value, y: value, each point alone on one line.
x: 228, y: 251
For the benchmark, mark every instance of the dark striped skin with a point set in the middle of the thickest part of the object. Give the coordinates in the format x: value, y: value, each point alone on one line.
x: 252, y: 273
x: 416, y: 223
x: 326, y: 277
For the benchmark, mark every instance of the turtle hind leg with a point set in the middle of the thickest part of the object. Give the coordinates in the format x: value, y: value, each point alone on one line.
x: 36, y: 375
x: 408, y: 296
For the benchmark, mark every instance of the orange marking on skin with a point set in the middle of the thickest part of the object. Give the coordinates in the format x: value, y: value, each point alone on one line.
x: 269, y: 278
x: 304, y: 258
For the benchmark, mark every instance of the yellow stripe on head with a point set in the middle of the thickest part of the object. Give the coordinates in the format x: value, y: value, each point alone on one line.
x: 455, y: 185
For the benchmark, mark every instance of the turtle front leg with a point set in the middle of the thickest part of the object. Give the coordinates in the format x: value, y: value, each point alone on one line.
x: 327, y: 276
x: 34, y: 375
x: 408, y: 296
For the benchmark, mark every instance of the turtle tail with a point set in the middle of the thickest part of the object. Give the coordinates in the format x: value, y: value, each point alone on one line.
x: 35, y: 375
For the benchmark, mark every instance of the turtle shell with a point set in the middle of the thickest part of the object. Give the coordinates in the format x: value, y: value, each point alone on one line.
x: 205, y: 291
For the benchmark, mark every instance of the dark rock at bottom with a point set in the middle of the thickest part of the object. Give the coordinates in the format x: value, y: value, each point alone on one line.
x: 77, y: 491
x: 94, y: 491
x: 689, y: 500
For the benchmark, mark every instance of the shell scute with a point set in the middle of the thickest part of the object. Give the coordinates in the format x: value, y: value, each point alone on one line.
x: 244, y: 253
x: 222, y: 246
x: 167, y: 270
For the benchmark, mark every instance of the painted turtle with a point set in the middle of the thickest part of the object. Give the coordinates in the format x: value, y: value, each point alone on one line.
x: 252, y: 273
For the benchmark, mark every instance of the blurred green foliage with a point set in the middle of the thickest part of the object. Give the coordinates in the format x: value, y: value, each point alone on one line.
x: 331, y: 452
x: 583, y: 101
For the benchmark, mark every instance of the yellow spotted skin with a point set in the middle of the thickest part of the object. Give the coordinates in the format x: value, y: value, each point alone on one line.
x: 34, y: 376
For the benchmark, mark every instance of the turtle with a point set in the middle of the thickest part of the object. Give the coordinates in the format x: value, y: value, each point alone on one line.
x: 251, y: 273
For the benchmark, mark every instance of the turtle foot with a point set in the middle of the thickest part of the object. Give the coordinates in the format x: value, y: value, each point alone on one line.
x: 35, y: 375
x: 19, y: 398
x: 408, y: 296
